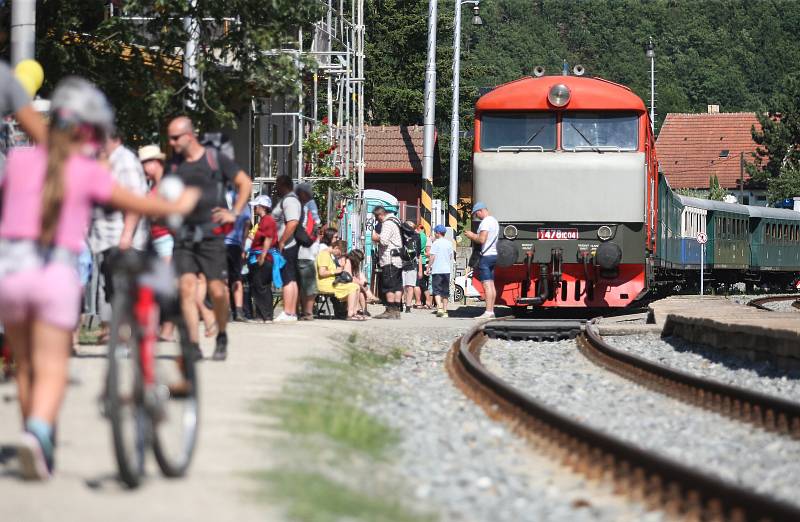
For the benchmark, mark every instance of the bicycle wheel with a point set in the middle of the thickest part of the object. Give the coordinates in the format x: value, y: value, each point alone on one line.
x: 175, y: 427
x: 125, y: 395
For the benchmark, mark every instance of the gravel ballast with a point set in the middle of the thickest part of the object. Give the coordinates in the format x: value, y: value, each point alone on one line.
x: 559, y: 376
x: 467, y: 466
x: 711, y: 363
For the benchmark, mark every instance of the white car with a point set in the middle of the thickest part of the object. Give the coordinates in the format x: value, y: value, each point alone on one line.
x: 463, y: 287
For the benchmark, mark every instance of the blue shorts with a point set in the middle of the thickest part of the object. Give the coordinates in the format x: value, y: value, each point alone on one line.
x: 486, y: 268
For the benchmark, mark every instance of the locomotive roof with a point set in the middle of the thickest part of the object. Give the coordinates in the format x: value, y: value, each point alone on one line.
x: 587, y: 94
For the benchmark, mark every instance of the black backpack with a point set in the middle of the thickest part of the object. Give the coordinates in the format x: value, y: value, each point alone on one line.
x: 410, y: 249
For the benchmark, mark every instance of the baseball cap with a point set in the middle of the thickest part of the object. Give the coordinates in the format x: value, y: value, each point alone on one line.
x: 262, y: 201
x: 439, y: 229
x: 151, y: 152
x: 304, y: 187
x: 480, y: 205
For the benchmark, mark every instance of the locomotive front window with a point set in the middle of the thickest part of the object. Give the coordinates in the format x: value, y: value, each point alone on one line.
x: 534, y: 131
x: 600, y: 131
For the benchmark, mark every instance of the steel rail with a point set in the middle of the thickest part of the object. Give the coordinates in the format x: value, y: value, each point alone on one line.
x: 765, y: 411
x: 761, y: 302
x: 660, y: 481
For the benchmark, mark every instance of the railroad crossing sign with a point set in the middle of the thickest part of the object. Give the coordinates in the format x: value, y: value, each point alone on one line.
x: 702, y: 238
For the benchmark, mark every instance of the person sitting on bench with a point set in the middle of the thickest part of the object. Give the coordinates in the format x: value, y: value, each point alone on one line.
x: 328, y: 272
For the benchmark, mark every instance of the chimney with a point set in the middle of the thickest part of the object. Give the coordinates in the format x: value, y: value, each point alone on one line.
x: 713, y: 109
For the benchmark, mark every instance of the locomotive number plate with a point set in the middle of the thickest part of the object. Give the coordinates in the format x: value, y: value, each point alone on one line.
x: 557, y: 233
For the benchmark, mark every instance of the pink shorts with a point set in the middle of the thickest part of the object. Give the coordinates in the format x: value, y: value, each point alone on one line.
x: 51, y: 294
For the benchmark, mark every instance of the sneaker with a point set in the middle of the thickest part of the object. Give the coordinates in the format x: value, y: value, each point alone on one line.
x: 283, y: 317
x: 441, y: 313
x: 486, y: 315
x: 408, y: 309
x: 306, y: 317
x: 221, y: 350
x: 240, y: 316
x: 36, y: 462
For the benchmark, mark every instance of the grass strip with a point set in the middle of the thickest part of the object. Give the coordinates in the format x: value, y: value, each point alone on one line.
x: 312, y: 497
x: 323, y: 411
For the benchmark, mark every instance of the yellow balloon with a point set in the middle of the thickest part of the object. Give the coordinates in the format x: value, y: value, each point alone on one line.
x: 28, y: 84
x: 30, y: 74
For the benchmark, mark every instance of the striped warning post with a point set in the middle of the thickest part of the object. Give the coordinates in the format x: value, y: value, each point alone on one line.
x: 426, y: 199
x: 452, y: 217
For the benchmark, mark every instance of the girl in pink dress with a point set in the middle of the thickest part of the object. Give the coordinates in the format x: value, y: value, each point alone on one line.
x: 48, y: 192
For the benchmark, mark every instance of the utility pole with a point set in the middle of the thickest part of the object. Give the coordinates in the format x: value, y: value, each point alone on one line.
x: 452, y: 195
x: 741, y: 177
x: 192, y: 28
x: 23, y: 30
x: 429, y: 129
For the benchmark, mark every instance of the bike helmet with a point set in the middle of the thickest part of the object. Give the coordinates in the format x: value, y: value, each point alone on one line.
x: 76, y: 101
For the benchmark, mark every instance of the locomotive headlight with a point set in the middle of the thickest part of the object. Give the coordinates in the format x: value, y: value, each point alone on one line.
x: 558, y: 95
x: 605, y: 233
x: 510, y: 232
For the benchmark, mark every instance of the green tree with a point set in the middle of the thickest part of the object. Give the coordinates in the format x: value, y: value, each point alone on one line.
x: 715, y: 192
x: 138, y: 62
x: 777, y: 158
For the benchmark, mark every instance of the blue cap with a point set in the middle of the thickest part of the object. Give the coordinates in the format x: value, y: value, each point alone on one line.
x: 439, y: 229
x: 480, y: 205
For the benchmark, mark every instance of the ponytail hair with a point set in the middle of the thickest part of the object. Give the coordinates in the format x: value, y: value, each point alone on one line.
x: 58, y: 151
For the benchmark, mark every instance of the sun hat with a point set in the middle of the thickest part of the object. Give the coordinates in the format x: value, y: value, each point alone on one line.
x: 440, y: 229
x: 151, y: 152
x: 480, y: 205
x: 262, y: 201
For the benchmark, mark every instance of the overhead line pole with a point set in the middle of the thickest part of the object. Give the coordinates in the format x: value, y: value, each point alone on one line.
x: 429, y: 129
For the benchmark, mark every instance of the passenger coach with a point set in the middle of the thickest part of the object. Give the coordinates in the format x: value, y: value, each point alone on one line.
x: 567, y: 166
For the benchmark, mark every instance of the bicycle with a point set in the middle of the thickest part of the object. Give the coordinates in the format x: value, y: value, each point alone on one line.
x: 151, y: 394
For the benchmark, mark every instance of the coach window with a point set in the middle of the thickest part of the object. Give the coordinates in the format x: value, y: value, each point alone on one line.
x: 519, y: 130
x: 600, y: 131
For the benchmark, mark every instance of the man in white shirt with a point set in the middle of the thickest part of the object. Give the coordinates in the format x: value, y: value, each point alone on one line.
x: 487, y: 239
x: 287, y: 216
x: 113, y: 229
x: 389, y: 241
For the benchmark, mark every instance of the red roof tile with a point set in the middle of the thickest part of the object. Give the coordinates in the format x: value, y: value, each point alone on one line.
x: 393, y: 149
x: 690, y: 148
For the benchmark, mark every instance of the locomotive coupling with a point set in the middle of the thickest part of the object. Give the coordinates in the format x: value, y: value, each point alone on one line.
x: 608, y: 257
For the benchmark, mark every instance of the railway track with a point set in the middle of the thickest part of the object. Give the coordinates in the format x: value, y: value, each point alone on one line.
x: 761, y: 302
x: 646, y: 476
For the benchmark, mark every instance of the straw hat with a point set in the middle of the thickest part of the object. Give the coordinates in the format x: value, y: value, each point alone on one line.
x: 151, y: 152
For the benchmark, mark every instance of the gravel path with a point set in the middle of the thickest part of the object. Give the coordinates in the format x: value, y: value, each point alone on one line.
x: 711, y: 363
x: 467, y: 466
x: 558, y: 375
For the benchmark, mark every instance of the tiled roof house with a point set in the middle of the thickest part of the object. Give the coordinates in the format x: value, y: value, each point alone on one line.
x: 693, y: 147
x: 393, y: 161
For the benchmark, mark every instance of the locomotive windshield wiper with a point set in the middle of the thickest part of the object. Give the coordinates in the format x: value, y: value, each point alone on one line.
x: 587, y: 140
x: 534, y: 135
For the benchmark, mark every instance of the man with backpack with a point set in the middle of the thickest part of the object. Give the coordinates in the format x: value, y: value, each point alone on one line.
x: 390, y: 243
x: 412, y: 266
x: 199, y: 244
x: 307, y: 254
x: 287, y: 214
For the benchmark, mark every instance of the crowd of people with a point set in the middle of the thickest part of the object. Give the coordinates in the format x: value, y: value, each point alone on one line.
x: 80, y: 196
